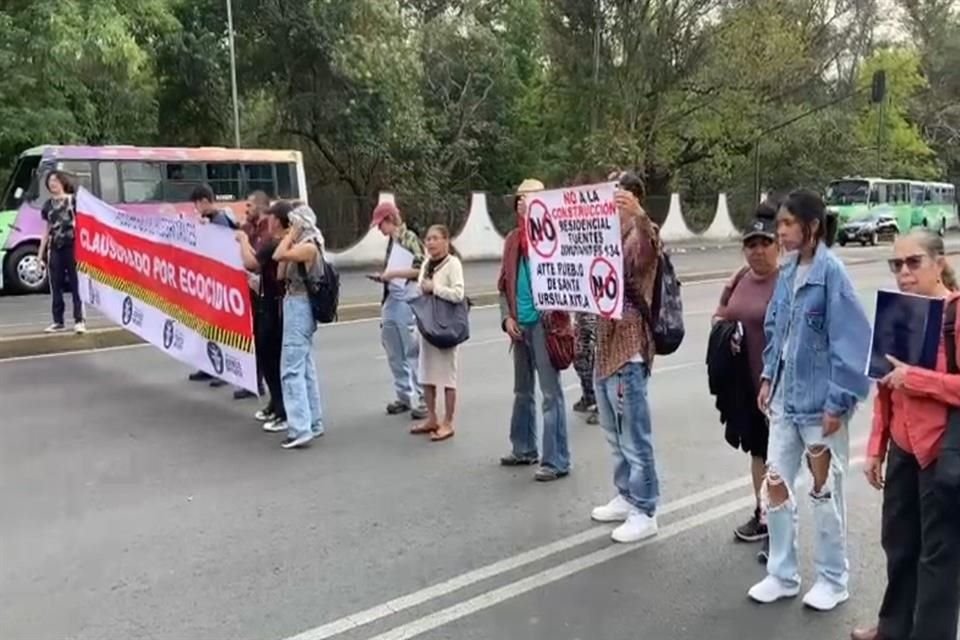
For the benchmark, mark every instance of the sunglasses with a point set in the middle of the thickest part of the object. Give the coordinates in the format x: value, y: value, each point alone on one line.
x: 912, y: 263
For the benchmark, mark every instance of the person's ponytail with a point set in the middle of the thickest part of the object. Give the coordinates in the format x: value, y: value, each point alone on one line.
x: 949, y: 277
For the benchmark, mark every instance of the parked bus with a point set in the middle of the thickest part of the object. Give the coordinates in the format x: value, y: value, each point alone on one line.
x: 911, y: 203
x: 137, y: 179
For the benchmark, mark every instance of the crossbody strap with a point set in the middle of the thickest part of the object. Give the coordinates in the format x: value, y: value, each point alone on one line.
x: 950, y: 336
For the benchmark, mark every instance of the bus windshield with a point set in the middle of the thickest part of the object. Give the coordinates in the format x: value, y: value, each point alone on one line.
x: 21, y: 182
x: 841, y: 192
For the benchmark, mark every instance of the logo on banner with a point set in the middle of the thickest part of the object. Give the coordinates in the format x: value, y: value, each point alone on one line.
x: 541, y: 231
x: 215, y: 355
x: 127, y: 314
x: 604, y: 286
x: 169, y: 334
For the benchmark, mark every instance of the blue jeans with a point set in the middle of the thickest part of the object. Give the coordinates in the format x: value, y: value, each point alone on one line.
x: 298, y: 372
x: 398, y: 333
x: 790, y: 447
x: 626, y: 423
x: 531, y: 359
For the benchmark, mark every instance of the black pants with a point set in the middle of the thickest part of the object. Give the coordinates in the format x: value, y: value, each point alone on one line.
x: 269, y: 345
x: 921, y: 537
x: 63, y: 271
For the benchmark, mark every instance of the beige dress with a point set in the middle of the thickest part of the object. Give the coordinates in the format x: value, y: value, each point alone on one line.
x: 438, y: 367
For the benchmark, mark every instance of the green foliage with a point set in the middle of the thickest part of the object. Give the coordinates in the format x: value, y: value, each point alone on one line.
x: 433, y: 99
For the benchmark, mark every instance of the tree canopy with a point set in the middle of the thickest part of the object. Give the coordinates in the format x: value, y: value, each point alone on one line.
x: 433, y: 99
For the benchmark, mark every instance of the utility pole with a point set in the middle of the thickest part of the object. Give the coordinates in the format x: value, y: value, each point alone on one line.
x: 878, y: 96
x: 233, y: 76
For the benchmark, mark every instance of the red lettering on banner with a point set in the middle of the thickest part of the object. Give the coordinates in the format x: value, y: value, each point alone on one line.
x: 210, y: 290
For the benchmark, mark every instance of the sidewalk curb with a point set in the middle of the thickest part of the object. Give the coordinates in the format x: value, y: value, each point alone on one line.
x: 44, y: 344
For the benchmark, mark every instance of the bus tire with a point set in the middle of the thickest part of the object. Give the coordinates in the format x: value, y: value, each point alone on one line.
x: 23, y: 272
x: 942, y: 231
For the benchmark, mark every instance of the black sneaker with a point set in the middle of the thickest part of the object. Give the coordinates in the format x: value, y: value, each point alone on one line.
x: 518, y: 461
x: 243, y: 394
x: 752, y: 531
x: 199, y: 376
x: 549, y: 474
x: 396, y: 408
x: 583, y: 405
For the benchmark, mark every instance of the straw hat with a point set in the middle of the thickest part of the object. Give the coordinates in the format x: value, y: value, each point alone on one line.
x: 530, y: 185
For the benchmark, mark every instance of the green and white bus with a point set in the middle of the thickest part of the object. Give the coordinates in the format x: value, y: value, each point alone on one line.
x: 911, y: 203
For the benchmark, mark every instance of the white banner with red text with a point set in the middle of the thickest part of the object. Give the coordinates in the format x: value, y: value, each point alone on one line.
x: 175, y: 282
x: 575, y: 250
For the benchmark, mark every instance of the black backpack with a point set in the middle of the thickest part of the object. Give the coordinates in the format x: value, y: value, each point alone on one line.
x: 665, y: 314
x: 323, y: 291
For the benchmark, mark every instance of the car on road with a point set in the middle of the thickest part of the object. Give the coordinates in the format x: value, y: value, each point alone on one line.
x: 868, y: 230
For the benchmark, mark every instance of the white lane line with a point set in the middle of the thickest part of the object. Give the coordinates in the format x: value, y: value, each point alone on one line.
x: 559, y: 572
x: 416, y: 598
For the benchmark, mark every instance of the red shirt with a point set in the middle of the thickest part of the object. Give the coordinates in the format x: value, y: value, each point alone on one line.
x: 916, y: 415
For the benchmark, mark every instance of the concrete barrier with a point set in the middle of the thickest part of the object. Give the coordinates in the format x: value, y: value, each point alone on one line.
x: 675, y: 228
x: 369, y: 251
x: 479, y: 239
x: 722, y: 226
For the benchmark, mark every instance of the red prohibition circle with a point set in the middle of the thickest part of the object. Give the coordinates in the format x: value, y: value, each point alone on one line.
x: 597, y: 267
x: 545, y: 247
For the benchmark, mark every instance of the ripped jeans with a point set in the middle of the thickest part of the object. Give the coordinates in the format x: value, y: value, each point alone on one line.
x: 791, y: 447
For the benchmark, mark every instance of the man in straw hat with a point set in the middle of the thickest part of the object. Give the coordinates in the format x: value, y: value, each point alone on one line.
x: 528, y: 332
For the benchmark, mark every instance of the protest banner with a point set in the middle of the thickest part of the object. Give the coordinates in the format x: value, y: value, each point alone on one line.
x: 176, y: 283
x: 576, y: 257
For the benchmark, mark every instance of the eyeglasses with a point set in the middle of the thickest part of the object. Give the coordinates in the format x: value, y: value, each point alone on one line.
x: 912, y: 262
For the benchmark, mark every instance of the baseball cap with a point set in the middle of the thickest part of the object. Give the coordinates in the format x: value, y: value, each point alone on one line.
x: 383, y: 211
x: 761, y: 228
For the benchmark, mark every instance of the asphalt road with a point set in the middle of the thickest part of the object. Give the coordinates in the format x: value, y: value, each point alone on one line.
x: 26, y: 315
x: 136, y: 505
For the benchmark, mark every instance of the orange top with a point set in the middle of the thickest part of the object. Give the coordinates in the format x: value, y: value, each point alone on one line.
x: 915, y: 417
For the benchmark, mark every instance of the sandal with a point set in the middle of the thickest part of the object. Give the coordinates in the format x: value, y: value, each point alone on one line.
x: 444, y: 433
x: 426, y: 427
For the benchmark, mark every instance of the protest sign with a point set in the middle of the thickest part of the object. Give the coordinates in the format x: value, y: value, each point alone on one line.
x: 576, y: 257
x: 178, y: 284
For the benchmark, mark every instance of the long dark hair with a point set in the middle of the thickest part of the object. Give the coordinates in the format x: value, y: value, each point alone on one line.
x: 281, y: 211
x: 808, y: 207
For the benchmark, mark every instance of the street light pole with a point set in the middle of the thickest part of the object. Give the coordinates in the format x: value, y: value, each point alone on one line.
x: 233, y: 76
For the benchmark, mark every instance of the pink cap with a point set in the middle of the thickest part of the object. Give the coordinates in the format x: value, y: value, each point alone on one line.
x: 383, y: 211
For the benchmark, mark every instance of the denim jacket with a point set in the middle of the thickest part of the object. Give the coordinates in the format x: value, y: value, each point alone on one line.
x: 824, y: 365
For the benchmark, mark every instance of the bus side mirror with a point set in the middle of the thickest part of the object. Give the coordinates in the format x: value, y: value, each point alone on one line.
x: 18, y: 193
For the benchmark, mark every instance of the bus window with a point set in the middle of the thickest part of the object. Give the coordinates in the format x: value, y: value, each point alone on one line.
x: 917, y: 194
x: 259, y: 177
x: 287, y: 186
x: 20, y: 184
x: 224, y: 179
x: 141, y: 181
x: 180, y: 180
x: 109, y: 182
x: 81, y: 172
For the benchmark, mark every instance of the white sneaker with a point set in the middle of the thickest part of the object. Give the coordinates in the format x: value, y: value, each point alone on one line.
x: 275, y: 426
x: 80, y: 328
x: 825, y: 597
x: 263, y: 416
x: 639, y: 526
x: 54, y: 328
x: 771, y: 589
x: 296, y: 443
x: 617, y: 510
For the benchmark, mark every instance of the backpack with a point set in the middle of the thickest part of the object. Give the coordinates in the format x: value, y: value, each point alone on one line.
x: 665, y: 313
x: 323, y: 291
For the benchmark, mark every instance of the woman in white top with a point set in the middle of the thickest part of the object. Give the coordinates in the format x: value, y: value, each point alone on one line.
x: 441, y: 275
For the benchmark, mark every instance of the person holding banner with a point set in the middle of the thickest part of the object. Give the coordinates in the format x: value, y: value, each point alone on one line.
x: 57, y: 249
x: 913, y: 433
x: 624, y: 360
x: 302, y: 245
x: 257, y: 229
x: 528, y: 333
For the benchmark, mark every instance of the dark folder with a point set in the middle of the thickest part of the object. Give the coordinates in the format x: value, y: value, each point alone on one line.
x: 907, y: 327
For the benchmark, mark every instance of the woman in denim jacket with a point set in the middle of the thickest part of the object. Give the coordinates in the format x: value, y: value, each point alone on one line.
x: 818, y: 341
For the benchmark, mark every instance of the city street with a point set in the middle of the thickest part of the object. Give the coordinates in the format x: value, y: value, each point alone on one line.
x: 137, y: 505
x: 27, y: 315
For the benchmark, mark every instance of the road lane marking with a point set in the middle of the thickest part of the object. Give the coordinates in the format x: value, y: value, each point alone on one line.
x: 441, y: 589
x: 559, y: 572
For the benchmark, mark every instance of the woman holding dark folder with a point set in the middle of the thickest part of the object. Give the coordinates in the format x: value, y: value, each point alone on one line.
x: 921, y: 519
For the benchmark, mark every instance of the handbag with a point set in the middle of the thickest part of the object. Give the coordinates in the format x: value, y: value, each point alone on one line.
x: 561, y: 339
x: 442, y: 323
x: 947, y: 473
